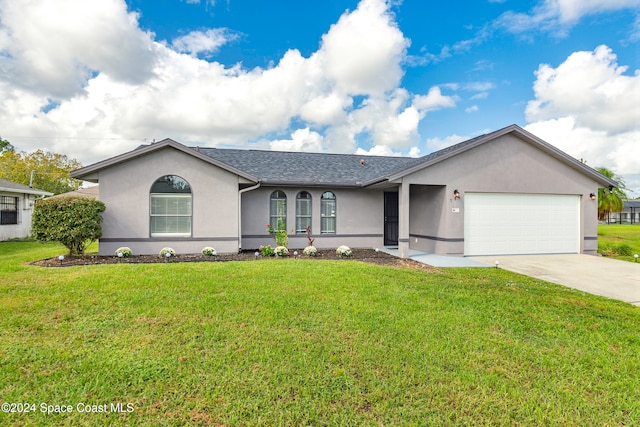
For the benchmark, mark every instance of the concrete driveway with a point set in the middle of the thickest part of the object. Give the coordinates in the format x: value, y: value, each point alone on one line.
x: 594, y: 274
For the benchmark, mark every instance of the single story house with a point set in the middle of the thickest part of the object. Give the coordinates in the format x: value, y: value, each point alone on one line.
x: 16, y: 208
x: 630, y: 213
x: 506, y: 192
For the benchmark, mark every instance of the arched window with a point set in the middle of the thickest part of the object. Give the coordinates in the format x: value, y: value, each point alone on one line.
x: 328, y: 213
x: 170, y: 207
x: 303, y: 212
x: 278, y: 208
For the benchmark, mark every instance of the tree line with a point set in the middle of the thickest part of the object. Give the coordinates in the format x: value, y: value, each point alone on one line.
x: 41, y: 169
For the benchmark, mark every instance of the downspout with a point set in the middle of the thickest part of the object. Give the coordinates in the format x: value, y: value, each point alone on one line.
x: 240, y: 193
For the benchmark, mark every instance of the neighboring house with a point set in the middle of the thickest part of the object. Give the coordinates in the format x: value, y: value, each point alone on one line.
x: 16, y: 207
x: 92, y: 192
x: 630, y: 213
x: 507, y: 192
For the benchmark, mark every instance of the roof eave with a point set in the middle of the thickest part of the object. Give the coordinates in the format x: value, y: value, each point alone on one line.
x: 88, y: 170
x: 569, y: 160
x: 282, y: 183
x: 34, y: 191
x: 550, y: 149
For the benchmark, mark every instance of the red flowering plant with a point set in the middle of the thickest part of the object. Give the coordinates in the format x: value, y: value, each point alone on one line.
x: 279, y: 233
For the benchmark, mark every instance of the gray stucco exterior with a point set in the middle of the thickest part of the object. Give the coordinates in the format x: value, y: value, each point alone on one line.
x: 506, y: 165
x: 124, y: 188
x: 231, y: 193
x: 359, y: 218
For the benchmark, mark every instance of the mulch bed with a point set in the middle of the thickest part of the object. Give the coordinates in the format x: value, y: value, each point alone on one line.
x: 363, y: 255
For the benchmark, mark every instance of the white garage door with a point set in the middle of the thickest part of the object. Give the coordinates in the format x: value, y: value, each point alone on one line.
x: 509, y: 224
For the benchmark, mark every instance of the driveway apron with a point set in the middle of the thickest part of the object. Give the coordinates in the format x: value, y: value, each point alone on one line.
x: 594, y: 274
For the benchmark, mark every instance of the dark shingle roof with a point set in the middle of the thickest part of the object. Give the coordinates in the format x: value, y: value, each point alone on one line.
x: 321, y: 169
x: 282, y: 167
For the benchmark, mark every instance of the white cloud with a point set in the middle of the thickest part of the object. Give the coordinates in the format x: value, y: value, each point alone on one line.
x: 634, y: 34
x: 204, y: 42
x: 434, y: 100
x: 619, y: 152
x: 52, y: 48
x: 592, y: 88
x: 481, y: 89
x: 573, y: 10
x: 480, y: 95
x: 364, y: 50
x: 588, y: 107
x: 383, y: 150
x: 435, y: 144
x: 471, y: 109
x: 326, y: 109
x: 113, y: 84
x: 301, y: 140
x: 558, y: 16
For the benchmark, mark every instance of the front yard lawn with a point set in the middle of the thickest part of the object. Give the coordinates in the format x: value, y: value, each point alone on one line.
x: 308, y: 342
x: 620, y: 241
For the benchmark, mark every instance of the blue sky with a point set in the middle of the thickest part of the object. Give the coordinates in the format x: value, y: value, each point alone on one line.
x: 92, y: 80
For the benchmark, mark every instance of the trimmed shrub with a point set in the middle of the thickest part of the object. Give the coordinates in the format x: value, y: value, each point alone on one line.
x: 124, y: 252
x: 282, y: 251
x: 73, y: 221
x: 167, y: 252
x: 310, y: 251
x: 209, y: 251
x: 267, y: 250
x: 344, y: 251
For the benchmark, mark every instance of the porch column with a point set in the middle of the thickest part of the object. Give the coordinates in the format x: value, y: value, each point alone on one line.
x: 403, y: 220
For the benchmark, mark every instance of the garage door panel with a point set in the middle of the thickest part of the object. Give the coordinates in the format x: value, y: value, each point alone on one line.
x: 502, y: 223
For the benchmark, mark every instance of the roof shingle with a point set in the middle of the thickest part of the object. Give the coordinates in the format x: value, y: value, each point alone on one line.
x: 277, y: 167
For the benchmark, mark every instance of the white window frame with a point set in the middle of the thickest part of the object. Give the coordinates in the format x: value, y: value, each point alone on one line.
x: 299, y: 217
x: 178, y: 215
x: 280, y: 208
x: 328, y: 217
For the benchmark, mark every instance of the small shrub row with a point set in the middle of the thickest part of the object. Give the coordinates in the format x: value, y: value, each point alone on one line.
x: 125, y: 252
x: 311, y: 251
x: 265, y: 250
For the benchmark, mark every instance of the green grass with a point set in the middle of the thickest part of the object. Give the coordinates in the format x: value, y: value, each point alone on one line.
x: 619, y: 241
x: 309, y: 342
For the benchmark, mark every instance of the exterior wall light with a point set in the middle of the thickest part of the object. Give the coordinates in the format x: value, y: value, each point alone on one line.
x: 592, y: 196
x: 456, y: 194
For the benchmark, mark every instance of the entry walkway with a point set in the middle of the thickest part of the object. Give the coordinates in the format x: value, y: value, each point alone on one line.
x: 438, y: 260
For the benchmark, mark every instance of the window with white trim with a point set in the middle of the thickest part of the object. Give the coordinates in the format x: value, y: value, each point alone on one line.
x: 171, y: 210
x: 328, y: 213
x: 303, y: 212
x: 8, y: 210
x: 278, y: 208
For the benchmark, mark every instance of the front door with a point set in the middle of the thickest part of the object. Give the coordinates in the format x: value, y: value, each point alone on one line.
x: 390, y: 218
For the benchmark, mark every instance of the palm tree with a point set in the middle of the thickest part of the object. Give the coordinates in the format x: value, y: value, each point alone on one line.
x: 610, y: 200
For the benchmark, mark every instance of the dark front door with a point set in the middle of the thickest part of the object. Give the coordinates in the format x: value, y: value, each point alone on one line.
x: 390, y: 219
